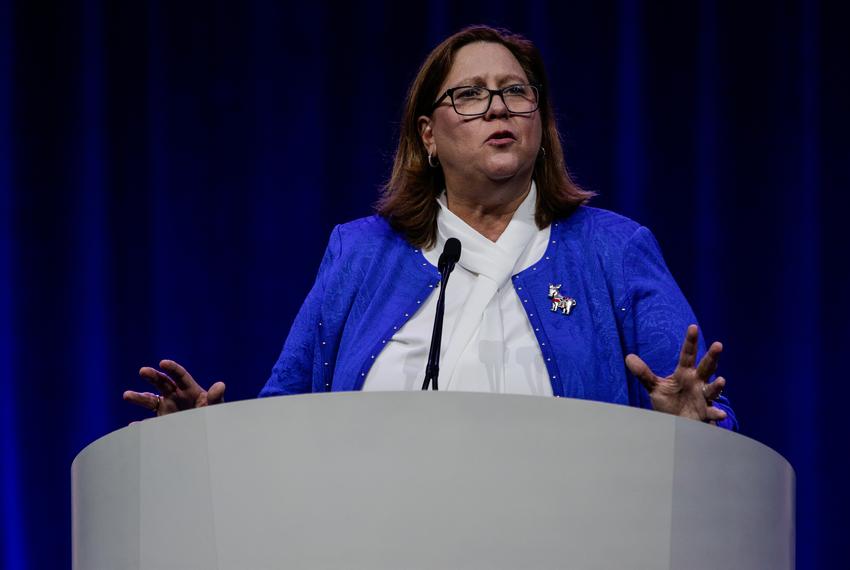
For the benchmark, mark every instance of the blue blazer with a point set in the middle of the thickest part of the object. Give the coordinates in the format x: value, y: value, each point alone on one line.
x: 371, y: 281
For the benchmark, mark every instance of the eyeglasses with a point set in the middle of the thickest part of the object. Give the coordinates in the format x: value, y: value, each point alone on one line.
x: 470, y: 100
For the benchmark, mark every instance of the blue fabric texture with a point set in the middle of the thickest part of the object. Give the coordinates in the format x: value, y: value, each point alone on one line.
x: 371, y: 281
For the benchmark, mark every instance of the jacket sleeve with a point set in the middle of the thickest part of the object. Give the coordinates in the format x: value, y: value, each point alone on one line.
x: 299, y: 363
x: 657, y: 313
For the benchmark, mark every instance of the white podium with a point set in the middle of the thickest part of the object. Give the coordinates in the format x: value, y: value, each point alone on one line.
x: 429, y: 480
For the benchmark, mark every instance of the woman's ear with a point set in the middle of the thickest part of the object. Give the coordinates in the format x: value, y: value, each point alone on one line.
x: 426, y: 134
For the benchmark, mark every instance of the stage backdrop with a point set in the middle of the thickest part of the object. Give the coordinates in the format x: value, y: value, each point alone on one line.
x: 170, y: 172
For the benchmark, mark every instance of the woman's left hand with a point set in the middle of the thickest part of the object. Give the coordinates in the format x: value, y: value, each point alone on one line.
x: 686, y: 392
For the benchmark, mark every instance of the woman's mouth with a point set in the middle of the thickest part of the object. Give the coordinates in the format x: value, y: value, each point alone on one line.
x: 501, y: 137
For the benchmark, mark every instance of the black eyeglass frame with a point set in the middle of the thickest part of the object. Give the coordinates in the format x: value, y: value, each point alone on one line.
x: 500, y: 92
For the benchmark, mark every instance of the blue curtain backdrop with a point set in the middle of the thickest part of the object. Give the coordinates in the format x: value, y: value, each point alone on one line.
x: 170, y: 172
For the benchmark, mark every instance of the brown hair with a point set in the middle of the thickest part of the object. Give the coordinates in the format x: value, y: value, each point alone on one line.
x: 408, y: 199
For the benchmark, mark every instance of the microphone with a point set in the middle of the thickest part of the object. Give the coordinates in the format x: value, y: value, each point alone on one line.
x: 450, y: 256
x: 446, y: 264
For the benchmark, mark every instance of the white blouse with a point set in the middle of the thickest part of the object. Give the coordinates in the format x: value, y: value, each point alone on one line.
x: 488, y: 344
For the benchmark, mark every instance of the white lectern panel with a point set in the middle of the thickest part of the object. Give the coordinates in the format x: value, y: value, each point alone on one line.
x: 430, y: 480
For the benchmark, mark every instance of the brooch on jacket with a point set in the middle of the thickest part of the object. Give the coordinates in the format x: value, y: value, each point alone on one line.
x: 559, y: 301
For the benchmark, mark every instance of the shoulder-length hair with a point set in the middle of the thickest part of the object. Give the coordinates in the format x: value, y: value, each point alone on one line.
x: 408, y: 199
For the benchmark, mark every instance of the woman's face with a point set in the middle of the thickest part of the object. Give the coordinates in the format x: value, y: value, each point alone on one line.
x: 496, y: 146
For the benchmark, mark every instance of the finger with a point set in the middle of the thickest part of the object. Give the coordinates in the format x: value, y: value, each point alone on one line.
x: 713, y: 390
x: 708, y: 363
x: 642, y: 372
x: 177, y: 373
x: 162, y: 382
x: 715, y: 414
x: 688, y: 356
x: 143, y: 399
x: 215, y: 395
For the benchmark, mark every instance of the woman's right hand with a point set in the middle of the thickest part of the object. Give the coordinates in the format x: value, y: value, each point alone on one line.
x: 177, y: 390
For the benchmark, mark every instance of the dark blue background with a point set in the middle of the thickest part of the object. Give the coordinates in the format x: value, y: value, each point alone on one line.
x: 170, y: 171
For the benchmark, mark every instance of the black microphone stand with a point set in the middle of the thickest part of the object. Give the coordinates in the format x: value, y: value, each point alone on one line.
x: 450, y: 256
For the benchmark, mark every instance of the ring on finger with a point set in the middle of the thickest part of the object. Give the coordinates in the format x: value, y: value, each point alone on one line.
x: 158, y: 402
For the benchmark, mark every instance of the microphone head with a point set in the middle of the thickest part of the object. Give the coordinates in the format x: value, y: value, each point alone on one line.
x: 451, y: 253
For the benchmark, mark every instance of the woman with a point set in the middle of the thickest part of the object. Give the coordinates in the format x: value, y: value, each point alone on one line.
x: 550, y: 297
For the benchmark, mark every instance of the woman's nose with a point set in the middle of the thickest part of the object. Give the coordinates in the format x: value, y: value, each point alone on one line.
x: 497, y: 107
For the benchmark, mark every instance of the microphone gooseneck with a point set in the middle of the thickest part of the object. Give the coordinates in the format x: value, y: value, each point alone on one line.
x: 446, y: 264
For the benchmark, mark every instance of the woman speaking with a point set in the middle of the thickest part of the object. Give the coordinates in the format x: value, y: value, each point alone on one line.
x: 550, y: 297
